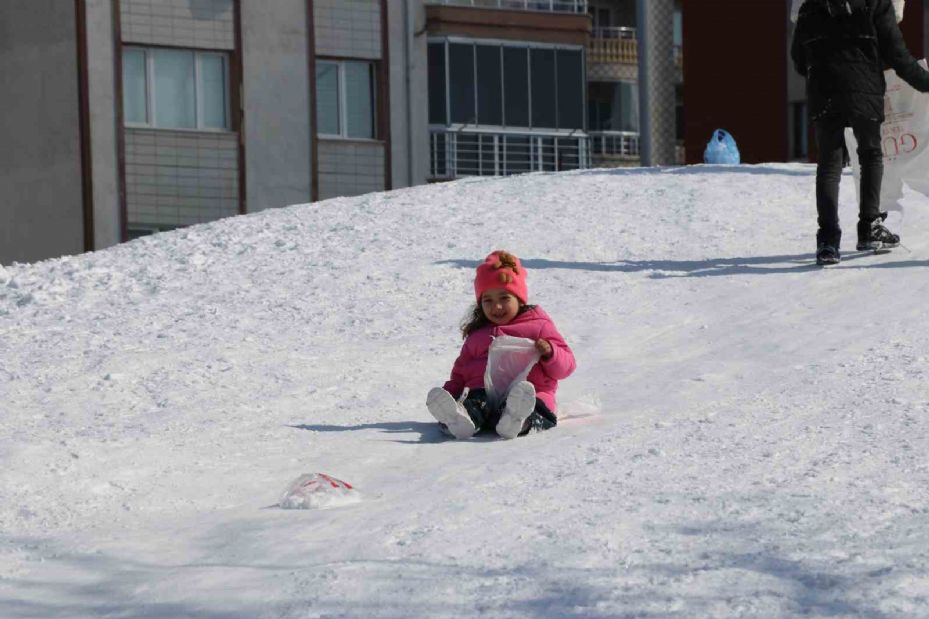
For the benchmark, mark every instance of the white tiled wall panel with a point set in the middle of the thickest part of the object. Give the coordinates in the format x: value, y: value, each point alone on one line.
x: 207, y: 24
x: 348, y: 28
x: 350, y: 168
x: 178, y: 178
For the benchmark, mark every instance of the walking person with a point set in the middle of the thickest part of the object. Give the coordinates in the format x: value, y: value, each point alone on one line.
x: 841, y: 47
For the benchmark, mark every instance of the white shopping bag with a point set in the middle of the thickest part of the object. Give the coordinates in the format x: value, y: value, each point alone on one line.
x: 904, y: 140
x: 509, y: 361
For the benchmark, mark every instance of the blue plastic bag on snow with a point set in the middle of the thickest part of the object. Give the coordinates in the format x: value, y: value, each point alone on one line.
x: 721, y: 149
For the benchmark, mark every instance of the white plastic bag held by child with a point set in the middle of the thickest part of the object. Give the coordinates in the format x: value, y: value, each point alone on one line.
x: 509, y: 361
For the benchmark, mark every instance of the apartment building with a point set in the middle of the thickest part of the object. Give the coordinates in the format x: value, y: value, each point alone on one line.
x: 129, y: 117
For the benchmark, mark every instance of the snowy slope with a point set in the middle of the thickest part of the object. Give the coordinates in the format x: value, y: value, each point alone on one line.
x: 746, y: 434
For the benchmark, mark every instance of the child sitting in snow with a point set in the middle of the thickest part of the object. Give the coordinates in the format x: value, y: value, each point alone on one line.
x: 501, y: 310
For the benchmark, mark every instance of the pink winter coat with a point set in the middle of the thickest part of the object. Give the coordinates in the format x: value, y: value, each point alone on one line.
x: 533, y: 324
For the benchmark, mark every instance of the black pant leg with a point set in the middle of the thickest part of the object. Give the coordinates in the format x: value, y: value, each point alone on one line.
x: 871, y: 161
x: 830, y: 140
x: 540, y: 419
x: 476, y: 406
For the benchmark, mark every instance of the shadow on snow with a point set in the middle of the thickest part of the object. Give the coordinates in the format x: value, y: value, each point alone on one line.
x: 711, y: 267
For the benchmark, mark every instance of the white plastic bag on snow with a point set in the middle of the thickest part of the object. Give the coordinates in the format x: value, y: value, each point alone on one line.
x: 904, y: 139
x: 509, y: 361
x: 317, y: 491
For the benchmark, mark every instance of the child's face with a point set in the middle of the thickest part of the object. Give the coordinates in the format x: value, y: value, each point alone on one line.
x: 500, y: 306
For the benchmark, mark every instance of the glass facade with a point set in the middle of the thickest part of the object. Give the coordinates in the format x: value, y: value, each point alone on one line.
x: 510, y: 85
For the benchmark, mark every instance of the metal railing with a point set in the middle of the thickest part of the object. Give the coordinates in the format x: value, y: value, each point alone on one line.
x: 617, y: 32
x: 550, y: 6
x: 475, y: 151
x: 609, y: 145
x: 619, y: 46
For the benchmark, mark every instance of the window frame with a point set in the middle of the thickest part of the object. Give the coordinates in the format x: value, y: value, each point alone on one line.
x: 525, y: 46
x: 149, y: 98
x: 341, y: 86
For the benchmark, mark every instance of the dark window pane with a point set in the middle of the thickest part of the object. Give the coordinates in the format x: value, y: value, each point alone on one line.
x: 437, y: 84
x: 489, y: 99
x: 543, y: 87
x: 570, y: 89
x: 626, y: 107
x: 327, y: 98
x: 359, y: 99
x: 135, y: 98
x: 516, y: 86
x: 461, y: 82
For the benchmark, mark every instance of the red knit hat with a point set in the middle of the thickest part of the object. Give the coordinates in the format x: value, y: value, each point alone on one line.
x: 501, y: 269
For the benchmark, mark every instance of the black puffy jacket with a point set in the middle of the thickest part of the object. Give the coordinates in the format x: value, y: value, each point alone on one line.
x: 842, y: 47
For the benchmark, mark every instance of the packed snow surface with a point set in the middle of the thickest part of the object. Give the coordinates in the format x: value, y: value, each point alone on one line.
x: 745, y: 435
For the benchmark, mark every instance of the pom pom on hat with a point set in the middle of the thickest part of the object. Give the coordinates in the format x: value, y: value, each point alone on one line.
x: 503, y: 270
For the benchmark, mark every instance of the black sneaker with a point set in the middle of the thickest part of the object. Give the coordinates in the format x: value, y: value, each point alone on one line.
x: 827, y: 254
x: 874, y: 235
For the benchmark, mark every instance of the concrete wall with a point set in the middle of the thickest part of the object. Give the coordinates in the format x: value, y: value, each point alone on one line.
x: 276, y: 88
x: 409, y: 108
x: 348, y: 28
x: 41, y: 207
x: 102, y: 94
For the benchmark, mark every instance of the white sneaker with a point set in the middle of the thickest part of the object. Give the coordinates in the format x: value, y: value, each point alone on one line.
x: 519, y: 405
x: 450, y: 413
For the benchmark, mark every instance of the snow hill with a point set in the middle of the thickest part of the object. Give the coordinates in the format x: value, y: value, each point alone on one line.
x: 745, y: 436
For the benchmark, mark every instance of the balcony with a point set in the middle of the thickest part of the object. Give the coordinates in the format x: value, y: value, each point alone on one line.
x: 549, y: 6
x: 614, y: 148
x: 619, y: 46
x: 460, y: 151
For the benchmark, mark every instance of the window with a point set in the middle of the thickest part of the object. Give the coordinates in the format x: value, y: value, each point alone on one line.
x: 477, y: 83
x: 516, y: 86
x: 175, y: 88
x: 461, y: 83
x: 345, y: 99
x: 437, y: 95
x: 613, y: 106
x: 542, y: 88
x: 489, y: 85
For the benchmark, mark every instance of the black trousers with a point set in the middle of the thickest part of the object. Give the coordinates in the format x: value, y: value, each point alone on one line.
x: 831, y: 140
x: 485, y: 418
